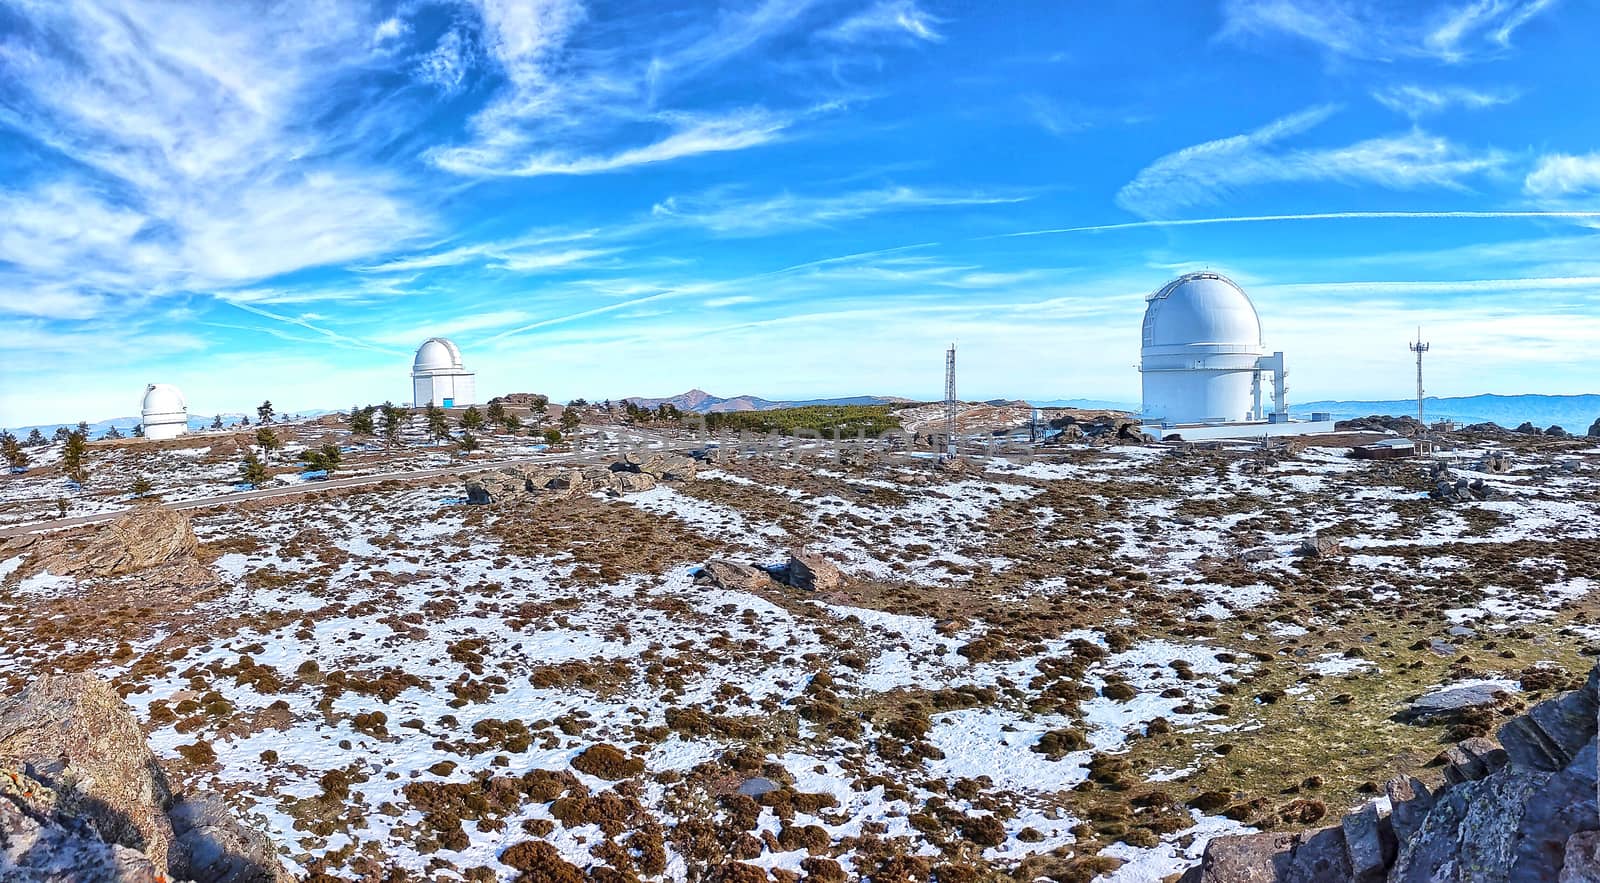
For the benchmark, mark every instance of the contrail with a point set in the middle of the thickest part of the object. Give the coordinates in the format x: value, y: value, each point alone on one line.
x: 701, y: 288
x: 1318, y: 216
x: 290, y: 320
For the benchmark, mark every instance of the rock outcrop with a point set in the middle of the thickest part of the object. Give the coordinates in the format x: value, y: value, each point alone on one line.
x: 812, y: 572
x: 631, y: 474
x: 735, y: 577
x: 1410, y: 427
x: 1523, y: 810
x: 145, y: 537
x: 1594, y: 428
x: 82, y: 798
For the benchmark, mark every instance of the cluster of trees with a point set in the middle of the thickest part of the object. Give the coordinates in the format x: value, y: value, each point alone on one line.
x: 388, y: 420
x: 11, y: 449
x: 639, y: 414
x: 826, y: 420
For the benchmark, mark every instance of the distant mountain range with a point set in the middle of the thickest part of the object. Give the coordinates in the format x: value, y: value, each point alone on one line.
x: 125, y: 425
x: 1573, y: 413
x: 1088, y: 405
x: 698, y: 401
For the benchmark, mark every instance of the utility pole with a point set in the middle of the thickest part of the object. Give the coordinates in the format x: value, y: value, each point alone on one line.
x: 950, y: 402
x: 1419, y: 348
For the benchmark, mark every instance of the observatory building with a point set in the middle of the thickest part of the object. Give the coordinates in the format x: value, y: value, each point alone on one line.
x: 437, y: 377
x: 1202, y: 365
x: 166, y: 414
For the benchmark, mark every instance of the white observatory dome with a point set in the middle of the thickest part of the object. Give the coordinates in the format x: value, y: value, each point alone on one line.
x: 1201, y: 349
x: 165, y: 413
x: 437, y: 354
x: 438, y: 377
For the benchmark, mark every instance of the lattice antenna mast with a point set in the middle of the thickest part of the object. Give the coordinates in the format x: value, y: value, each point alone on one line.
x: 950, y: 401
x: 1419, y: 348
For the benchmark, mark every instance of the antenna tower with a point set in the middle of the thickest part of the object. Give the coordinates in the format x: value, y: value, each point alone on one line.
x: 1419, y: 348
x: 950, y: 402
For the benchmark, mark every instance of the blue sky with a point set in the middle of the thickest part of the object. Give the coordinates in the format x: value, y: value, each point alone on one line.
x: 789, y: 199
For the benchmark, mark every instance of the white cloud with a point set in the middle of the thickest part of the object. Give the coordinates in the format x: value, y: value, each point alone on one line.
x: 887, y: 17
x: 1452, y: 32
x: 1561, y: 175
x: 721, y: 214
x: 181, y: 155
x: 1211, y: 171
x: 569, y: 108
x: 1417, y: 101
x: 447, y: 65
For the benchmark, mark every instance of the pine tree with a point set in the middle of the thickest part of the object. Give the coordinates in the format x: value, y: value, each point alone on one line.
x: 36, y: 439
x: 141, y: 486
x: 472, y: 419
x: 216, y: 422
x: 325, y: 458
x: 569, y: 419
x: 269, y: 441
x: 72, y: 457
x: 438, y: 424
x: 62, y: 503
x: 244, y: 420
x: 361, y: 420
x: 62, y: 433
x: 254, y: 471
x: 15, y: 456
x: 512, y: 423
x: 392, y: 417
x: 83, y: 428
x: 552, y: 436
x: 138, y: 430
x: 112, y: 434
x: 264, y: 412
x: 496, y: 413
x: 467, y: 442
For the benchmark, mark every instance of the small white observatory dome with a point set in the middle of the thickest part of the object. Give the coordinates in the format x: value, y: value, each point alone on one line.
x: 1202, y: 355
x: 437, y: 376
x: 165, y: 413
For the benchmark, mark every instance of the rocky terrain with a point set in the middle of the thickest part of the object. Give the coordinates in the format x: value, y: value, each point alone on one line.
x: 1087, y: 665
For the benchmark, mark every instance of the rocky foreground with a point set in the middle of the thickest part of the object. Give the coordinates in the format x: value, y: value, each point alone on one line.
x: 83, y: 800
x: 1099, y: 665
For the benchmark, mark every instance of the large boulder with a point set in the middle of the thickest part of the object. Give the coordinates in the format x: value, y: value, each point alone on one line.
x: 213, y: 846
x: 660, y: 466
x: 38, y: 844
x: 1594, y: 428
x: 1527, y: 812
x: 74, y: 734
x: 488, y: 488
x: 812, y: 572
x: 82, y: 798
x: 1451, y: 703
x: 735, y: 577
x: 146, y: 536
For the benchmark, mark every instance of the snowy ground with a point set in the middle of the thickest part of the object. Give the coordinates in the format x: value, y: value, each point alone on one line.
x: 1084, y: 665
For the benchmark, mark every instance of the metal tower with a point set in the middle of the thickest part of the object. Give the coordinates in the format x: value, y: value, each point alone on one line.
x: 950, y: 402
x: 1419, y: 348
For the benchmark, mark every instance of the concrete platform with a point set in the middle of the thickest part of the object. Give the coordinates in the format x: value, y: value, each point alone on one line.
x: 1207, y: 431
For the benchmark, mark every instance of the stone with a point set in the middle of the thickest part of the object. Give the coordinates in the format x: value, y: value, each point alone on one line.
x: 212, y: 846
x: 757, y: 786
x: 633, y: 482
x: 1272, y: 857
x: 1594, y: 428
x: 736, y: 577
x: 1409, y: 802
x: 1449, y: 703
x: 1581, y: 863
x: 1319, y: 547
x: 1552, y: 732
x: 1369, y: 843
x: 145, y: 537
x: 36, y: 846
x: 490, y: 488
x: 74, y: 734
x: 812, y: 572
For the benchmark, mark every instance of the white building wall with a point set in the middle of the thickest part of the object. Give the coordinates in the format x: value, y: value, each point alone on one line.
x: 159, y: 430
x: 1198, y: 396
x: 459, y: 389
